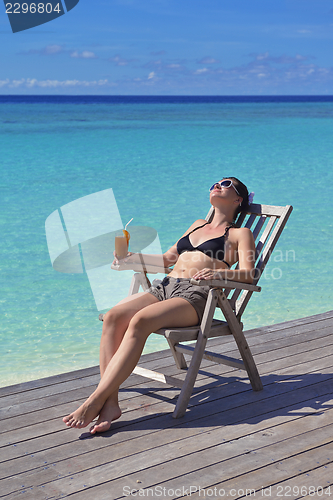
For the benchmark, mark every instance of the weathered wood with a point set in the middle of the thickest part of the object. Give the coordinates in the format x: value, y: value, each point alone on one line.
x: 269, y: 210
x: 218, y: 328
x: 288, y: 347
x: 177, y: 355
x: 235, y: 438
x: 227, y: 284
x: 200, y: 345
x: 139, y: 268
x: 159, y: 377
x: 312, y: 346
x: 155, y: 442
x: 241, y: 342
x: 212, y: 356
x: 162, y: 464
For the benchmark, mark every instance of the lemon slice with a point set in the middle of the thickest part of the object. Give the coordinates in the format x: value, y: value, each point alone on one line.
x: 127, y: 235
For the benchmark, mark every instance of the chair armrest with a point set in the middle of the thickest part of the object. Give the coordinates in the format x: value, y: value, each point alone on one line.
x: 227, y: 284
x: 141, y: 268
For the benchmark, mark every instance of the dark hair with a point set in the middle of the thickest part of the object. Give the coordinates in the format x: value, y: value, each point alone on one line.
x: 243, y: 192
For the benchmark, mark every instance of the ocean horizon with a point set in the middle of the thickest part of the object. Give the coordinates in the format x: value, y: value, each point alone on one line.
x: 159, y: 155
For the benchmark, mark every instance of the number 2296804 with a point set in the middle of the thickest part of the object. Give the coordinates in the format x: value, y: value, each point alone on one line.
x: 33, y: 8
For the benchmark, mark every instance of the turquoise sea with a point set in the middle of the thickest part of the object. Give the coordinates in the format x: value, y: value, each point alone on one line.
x: 159, y: 156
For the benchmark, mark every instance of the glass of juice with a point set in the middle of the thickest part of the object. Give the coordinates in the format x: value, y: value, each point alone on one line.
x: 121, y: 246
x: 121, y: 243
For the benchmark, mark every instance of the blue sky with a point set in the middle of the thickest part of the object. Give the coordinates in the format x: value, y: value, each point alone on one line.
x: 174, y: 47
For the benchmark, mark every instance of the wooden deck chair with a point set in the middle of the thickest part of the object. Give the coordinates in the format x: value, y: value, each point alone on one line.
x: 266, y: 223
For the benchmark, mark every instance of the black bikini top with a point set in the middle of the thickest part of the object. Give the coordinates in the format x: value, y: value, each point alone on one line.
x: 214, y: 248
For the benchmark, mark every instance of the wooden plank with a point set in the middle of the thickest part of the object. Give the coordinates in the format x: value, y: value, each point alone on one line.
x: 298, y: 359
x: 220, y: 433
x: 70, y: 472
x: 162, y: 466
x: 292, y: 326
x: 136, y: 267
x: 65, y: 386
x: 130, y: 450
x: 228, y: 404
x: 227, y: 284
x: 312, y: 354
x: 43, y: 382
x: 59, y: 437
x: 149, y: 430
x: 40, y: 416
x: 314, y: 481
x: 165, y: 379
x: 259, y: 224
x: 212, y: 356
x: 270, y: 210
x: 141, y: 443
x: 242, y: 344
x: 199, y: 349
x: 244, y: 468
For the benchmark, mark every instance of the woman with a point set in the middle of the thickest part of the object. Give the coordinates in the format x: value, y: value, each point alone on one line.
x: 206, y: 251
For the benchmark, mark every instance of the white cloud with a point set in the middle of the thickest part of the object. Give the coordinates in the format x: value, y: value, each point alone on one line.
x: 4, y: 83
x: 49, y: 50
x: 263, y: 73
x: 261, y: 57
x: 53, y: 50
x: 120, y: 61
x: 33, y: 83
x: 208, y: 60
x: 266, y: 58
x: 17, y: 83
x: 200, y: 71
x: 86, y: 54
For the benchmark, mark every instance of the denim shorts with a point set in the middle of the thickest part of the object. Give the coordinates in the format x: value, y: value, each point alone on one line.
x: 181, y: 287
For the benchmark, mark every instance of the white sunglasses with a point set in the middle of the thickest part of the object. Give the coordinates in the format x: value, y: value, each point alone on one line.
x: 225, y: 184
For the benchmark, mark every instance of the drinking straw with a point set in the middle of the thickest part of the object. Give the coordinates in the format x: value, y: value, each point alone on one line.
x: 128, y: 223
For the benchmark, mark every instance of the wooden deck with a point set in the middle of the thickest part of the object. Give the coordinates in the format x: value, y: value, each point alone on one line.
x: 232, y: 442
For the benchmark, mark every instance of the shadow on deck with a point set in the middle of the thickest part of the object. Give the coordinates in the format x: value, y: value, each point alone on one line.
x: 232, y: 442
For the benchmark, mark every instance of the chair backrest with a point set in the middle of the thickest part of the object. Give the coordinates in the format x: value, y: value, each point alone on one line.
x: 266, y: 223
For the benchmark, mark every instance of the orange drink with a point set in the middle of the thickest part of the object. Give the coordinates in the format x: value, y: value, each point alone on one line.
x: 121, y: 244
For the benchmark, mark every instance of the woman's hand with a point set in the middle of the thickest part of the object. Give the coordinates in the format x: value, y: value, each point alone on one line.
x: 208, y: 274
x: 117, y: 261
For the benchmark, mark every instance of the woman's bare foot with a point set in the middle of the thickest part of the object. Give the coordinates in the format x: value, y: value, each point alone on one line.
x: 84, y: 414
x: 108, y: 414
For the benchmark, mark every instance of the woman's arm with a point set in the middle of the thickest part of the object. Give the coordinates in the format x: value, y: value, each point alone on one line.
x: 169, y: 258
x: 165, y: 260
x: 246, y: 261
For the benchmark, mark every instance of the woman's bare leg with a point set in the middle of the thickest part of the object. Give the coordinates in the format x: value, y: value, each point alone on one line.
x: 172, y: 312
x: 115, y: 324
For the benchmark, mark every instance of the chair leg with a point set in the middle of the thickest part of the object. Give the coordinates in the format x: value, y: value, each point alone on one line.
x: 198, y: 352
x: 135, y: 284
x: 242, y: 344
x: 139, y: 279
x: 178, y: 356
